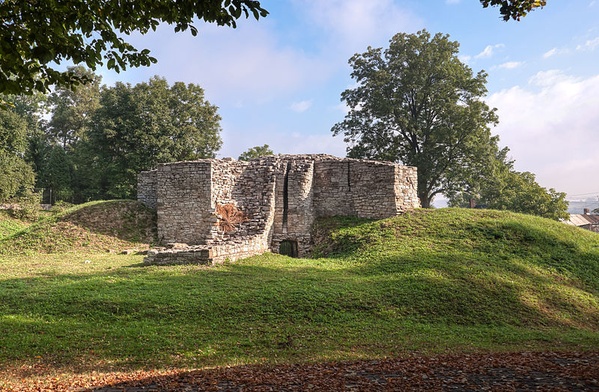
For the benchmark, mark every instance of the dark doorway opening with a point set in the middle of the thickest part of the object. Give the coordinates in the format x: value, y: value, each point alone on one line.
x: 288, y: 248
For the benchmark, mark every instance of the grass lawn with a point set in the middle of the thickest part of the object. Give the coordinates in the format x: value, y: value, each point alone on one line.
x: 430, y: 281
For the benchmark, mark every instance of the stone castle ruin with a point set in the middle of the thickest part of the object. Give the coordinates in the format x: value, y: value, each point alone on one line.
x: 212, y: 210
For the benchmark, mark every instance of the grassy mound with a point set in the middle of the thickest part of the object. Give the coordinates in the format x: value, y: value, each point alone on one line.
x: 472, y: 267
x: 429, y: 281
x: 96, y: 226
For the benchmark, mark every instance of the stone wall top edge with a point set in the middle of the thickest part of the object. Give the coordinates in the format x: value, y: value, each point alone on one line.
x: 282, y: 158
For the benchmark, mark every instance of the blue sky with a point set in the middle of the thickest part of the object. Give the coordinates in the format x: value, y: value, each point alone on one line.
x: 278, y: 81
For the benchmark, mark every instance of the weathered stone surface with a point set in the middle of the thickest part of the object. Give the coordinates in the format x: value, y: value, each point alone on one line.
x: 278, y: 198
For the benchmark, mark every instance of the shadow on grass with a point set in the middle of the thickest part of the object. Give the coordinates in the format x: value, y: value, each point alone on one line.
x: 246, y: 312
x: 482, y: 286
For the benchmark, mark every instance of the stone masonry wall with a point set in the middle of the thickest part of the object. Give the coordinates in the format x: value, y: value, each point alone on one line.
x: 278, y: 198
x: 367, y: 189
x: 406, y: 188
x: 146, y: 188
x: 184, y: 209
x: 294, y: 203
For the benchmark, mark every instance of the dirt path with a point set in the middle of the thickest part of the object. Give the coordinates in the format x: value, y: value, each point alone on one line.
x: 473, y: 372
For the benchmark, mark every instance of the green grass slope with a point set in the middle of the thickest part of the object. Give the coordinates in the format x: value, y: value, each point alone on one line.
x: 427, y: 281
x: 9, y: 225
x: 471, y: 267
x: 95, y: 226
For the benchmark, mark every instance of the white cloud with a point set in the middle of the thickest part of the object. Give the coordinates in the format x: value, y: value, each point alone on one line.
x: 243, y: 65
x: 353, y: 25
x: 301, y: 106
x: 590, y: 44
x: 549, y: 126
x: 550, y: 53
x: 465, y: 58
x: 510, y: 65
x: 488, y: 51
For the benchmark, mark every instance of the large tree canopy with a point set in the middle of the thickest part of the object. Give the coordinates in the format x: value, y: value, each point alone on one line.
x: 416, y: 103
x: 256, y: 152
x: 72, y: 109
x: 137, y: 127
x: 16, y: 176
x: 499, y: 186
x: 35, y: 35
x: 514, y: 9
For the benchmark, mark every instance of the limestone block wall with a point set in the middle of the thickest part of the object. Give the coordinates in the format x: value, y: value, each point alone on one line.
x: 373, y: 189
x: 184, y: 210
x: 332, y: 188
x: 254, y: 194
x: 294, y: 203
x: 367, y: 189
x: 406, y: 188
x: 146, y: 188
x: 278, y: 197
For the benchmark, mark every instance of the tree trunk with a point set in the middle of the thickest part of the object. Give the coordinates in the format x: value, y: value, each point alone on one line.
x: 425, y: 200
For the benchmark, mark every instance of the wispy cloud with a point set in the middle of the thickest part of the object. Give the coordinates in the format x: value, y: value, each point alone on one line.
x: 353, y: 25
x: 246, y: 65
x: 511, y: 64
x: 301, y: 106
x: 590, y: 44
x: 488, y: 51
x: 550, y: 53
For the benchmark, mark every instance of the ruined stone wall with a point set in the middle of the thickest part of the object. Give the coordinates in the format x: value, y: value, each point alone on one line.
x: 279, y: 198
x: 225, y: 175
x: 294, y: 203
x: 184, y: 209
x: 380, y: 189
x: 146, y: 188
x: 253, y: 194
x: 367, y: 189
x: 406, y: 188
x: 332, y: 188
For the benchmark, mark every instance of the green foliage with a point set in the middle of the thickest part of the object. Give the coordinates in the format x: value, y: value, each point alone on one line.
x: 519, y: 192
x: 137, y: 127
x: 72, y: 109
x: 418, y: 104
x: 58, y: 174
x: 430, y: 281
x: 256, y: 152
x: 514, y: 9
x: 36, y: 35
x: 498, y: 186
x: 28, y: 206
x: 16, y: 176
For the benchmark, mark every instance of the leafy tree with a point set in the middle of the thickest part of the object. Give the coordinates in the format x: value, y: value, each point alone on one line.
x: 256, y: 152
x: 139, y: 126
x: 499, y: 186
x: 16, y: 176
x: 418, y: 104
x: 514, y: 9
x: 35, y: 35
x: 58, y: 174
x: 72, y: 110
